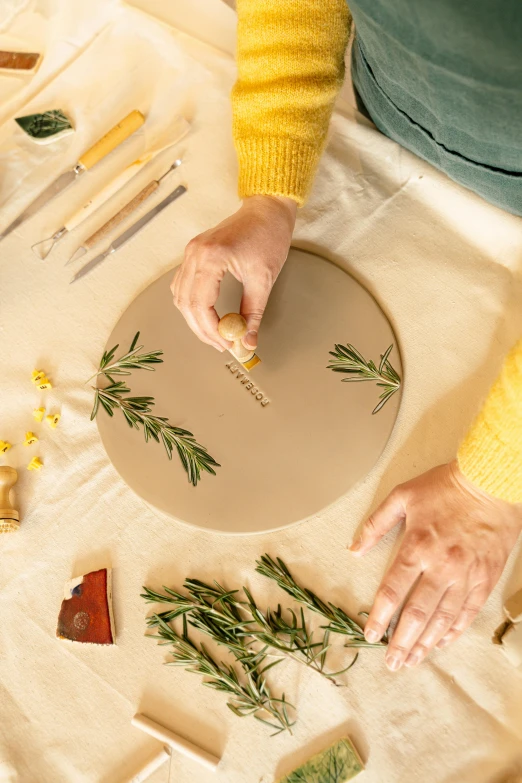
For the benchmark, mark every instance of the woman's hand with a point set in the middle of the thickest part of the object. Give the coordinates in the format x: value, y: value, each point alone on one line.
x: 253, y: 245
x: 456, y: 543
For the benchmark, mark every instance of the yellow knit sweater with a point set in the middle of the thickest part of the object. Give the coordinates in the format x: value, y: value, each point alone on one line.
x: 290, y: 61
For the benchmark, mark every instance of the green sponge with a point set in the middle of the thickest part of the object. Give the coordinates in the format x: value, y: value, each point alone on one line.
x: 337, y: 764
x: 47, y: 127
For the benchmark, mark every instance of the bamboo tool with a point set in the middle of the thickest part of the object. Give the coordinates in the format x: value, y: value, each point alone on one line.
x: 233, y: 327
x: 180, y: 744
x: 124, y: 212
x: 94, y: 154
x: 9, y: 517
x: 43, y: 248
x: 145, y: 771
x: 130, y: 232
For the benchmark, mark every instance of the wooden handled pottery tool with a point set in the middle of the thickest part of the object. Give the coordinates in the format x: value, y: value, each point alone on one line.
x: 9, y: 517
x: 180, y: 744
x: 130, y: 232
x: 19, y: 61
x: 107, y: 144
x: 233, y: 327
x: 43, y: 248
x: 124, y: 212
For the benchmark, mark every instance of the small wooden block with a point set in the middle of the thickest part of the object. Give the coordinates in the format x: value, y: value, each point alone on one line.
x: 86, y: 611
x: 337, y: 764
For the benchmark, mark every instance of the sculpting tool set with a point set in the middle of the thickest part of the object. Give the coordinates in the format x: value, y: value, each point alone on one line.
x: 97, y: 152
x: 130, y: 232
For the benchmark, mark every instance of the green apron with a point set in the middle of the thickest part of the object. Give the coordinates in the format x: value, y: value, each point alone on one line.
x: 443, y: 78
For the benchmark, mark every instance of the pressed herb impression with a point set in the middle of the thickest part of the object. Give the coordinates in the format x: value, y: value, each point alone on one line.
x: 138, y: 410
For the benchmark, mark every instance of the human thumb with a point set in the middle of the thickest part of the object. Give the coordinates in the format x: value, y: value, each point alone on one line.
x: 384, y: 518
x: 253, y: 304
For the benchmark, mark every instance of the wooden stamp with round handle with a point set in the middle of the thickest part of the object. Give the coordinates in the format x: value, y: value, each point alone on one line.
x: 233, y: 327
x: 9, y: 517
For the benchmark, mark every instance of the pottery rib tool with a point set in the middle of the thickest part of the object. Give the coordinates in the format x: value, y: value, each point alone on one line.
x: 43, y: 248
x: 9, y: 517
x: 233, y: 327
x: 19, y: 61
x: 150, y: 766
x: 94, y: 154
x: 130, y: 232
x: 176, y: 742
x: 124, y: 212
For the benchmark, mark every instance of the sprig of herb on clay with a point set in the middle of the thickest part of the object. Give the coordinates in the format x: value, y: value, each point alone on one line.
x: 138, y: 410
x: 252, y: 697
x: 338, y: 621
x: 348, y: 360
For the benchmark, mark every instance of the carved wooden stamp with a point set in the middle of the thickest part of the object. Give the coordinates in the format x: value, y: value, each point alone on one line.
x: 233, y: 327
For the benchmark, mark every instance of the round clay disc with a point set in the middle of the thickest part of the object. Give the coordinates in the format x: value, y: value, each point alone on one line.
x: 291, y: 438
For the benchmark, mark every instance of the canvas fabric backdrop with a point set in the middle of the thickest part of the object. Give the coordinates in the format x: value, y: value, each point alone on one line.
x: 447, y: 269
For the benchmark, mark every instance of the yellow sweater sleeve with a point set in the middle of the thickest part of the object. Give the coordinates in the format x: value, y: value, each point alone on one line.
x: 491, y: 454
x: 290, y: 59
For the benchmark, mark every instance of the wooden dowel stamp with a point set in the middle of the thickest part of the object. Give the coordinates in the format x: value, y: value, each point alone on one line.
x: 150, y: 766
x: 176, y: 742
x: 233, y: 327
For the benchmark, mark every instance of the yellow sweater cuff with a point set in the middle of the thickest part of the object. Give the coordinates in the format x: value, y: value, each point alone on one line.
x: 276, y: 167
x: 490, y: 464
x: 491, y: 454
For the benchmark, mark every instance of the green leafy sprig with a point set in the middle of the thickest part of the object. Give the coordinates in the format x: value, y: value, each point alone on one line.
x: 338, y: 621
x: 252, y: 697
x: 348, y: 360
x: 138, y: 410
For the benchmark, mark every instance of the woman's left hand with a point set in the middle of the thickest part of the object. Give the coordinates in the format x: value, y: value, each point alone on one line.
x: 456, y: 542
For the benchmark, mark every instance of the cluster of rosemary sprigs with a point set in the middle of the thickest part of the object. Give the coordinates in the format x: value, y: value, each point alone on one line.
x: 257, y: 639
x: 138, y: 410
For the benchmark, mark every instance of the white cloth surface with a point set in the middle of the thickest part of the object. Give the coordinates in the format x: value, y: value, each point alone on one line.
x: 447, y: 269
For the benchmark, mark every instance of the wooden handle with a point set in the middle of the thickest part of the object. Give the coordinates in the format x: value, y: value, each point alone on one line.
x: 121, y: 215
x: 112, y: 139
x: 150, y: 766
x: 105, y: 193
x: 19, y: 61
x: 8, y: 478
x: 175, y: 741
x: 233, y: 327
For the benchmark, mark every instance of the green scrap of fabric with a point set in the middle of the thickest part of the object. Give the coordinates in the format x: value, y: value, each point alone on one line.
x: 337, y: 764
x: 41, y: 126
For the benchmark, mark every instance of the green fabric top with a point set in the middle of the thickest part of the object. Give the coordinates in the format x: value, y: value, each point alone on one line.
x: 444, y: 79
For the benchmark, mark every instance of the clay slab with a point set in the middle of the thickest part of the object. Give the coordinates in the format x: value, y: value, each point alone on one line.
x: 282, y: 461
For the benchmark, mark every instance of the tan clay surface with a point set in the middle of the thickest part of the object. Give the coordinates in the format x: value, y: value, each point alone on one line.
x: 281, y: 461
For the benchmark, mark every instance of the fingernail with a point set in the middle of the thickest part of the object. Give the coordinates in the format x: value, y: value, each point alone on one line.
x: 371, y: 635
x: 443, y: 643
x: 251, y: 340
x: 356, y: 545
x: 393, y: 663
x: 413, y: 660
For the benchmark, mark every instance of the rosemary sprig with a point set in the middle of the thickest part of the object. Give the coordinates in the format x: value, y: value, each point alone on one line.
x: 240, y: 624
x: 138, y: 410
x: 348, y: 360
x: 338, y: 621
x: 132, y: 360
x: 250, y: 698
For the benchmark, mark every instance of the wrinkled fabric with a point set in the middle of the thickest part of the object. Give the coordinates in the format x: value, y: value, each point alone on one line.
x: 445, y: 266
x: 445, y: 80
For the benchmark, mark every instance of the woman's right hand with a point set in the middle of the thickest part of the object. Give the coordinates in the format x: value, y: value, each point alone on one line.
x: 253, y: 245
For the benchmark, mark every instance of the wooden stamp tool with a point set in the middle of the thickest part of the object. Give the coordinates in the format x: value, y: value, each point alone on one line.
x: 233, y: 327
x: 9, y: 517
